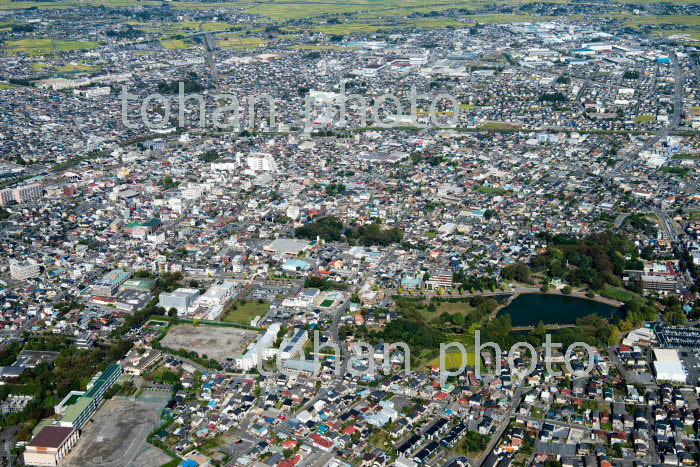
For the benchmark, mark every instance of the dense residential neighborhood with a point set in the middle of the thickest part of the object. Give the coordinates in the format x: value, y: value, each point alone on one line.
x: 349, y: 234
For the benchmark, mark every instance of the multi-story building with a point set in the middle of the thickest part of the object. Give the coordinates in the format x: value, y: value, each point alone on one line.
x: 261, y: 348
x: 50, y: 445
x: 291, y: 347
x: 225, y: 165
x: 261, y: 162
x: 21, y: 194
x: 104, y: 381
x: 142, y: 229
x: 22, y: 270
x: 659, y: 283
x: 109, y: 284
x: 93, y: 92
x: 218, y: 294
x: 77, y: 414
x: 180, y: 299
x: 6, y: 196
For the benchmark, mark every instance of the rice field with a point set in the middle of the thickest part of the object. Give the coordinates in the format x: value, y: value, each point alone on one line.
x: 243, y: 43
x: 321, y: 47
x: 41, y: 46
x: 174, y: 44
x: 74, y: 68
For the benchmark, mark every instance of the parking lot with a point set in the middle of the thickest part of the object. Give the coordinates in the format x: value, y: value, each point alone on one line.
x: 269, y: 293
x: 691, y: 361
x: 678, y: 336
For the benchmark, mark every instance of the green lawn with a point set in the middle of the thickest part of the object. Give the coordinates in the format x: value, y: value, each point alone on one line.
x: 681, y: 172
x: 682, y: 20
x: 242, y: 314
x: 621, y: 295
x: 498, y: 126
x: 70, y: 68
x: 235, y: 42
x: 452, y: 308
x: 321, y: 47
x: 453, y: 360
x: 686, y: 156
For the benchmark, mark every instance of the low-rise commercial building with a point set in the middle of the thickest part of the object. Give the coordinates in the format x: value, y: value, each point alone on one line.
x: 109, y: 284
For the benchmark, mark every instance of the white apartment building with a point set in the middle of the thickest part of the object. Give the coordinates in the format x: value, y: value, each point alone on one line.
x: 217, y: 294
x: 261, y: 162
x: 93, y: 92
x: 291, y: 347
x: 22, y: 270
x: 225, y: 165
x: 194, y: 190
x: 261, y: 348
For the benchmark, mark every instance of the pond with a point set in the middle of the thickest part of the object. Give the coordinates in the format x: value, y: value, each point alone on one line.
x: 529, y: 309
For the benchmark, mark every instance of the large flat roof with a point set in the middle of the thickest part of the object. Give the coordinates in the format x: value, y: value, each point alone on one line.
x: 102, y: 380
x: 287, y: 245
x: 73, y: 411
x: 666, y: 355
x: 51, y: 436
x: 113, y: 277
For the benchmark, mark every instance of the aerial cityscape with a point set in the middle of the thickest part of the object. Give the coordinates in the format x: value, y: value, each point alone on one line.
x: 356, y: 233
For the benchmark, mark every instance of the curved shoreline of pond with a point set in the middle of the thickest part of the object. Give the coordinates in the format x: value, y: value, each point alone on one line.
x: 583, y: 306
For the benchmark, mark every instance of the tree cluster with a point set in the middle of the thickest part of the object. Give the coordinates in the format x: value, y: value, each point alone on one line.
x: 190, y: 85
x: 595, y: 260
x: 331, y: 229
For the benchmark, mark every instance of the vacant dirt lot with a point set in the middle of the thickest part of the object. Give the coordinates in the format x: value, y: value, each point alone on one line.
x: 217, y: 342
x: 116, y: 436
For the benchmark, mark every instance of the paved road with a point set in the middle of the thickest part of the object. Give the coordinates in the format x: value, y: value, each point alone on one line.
x: 509, y: 291
x: 342, y: 345
x: 633, y: 155
x: 502, y: 428
x: 620, y: 219
x: 560, y: 423
x: 670, y: 227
